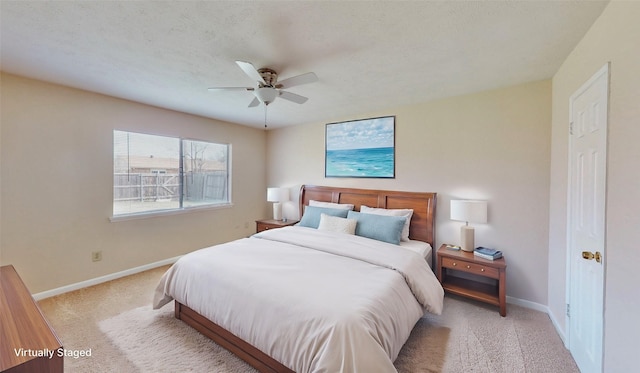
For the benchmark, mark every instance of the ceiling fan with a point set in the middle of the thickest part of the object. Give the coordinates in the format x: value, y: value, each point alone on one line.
x: 268, y: 87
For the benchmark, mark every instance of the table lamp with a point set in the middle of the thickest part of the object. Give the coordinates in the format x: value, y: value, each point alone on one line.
x: 469, y: 212
x: 277, y: 196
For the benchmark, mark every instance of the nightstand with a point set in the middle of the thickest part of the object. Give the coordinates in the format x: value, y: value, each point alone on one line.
x: 263, y: 225
x: 450, y: 261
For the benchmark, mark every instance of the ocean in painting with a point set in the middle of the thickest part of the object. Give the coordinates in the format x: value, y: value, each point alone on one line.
x: 369, y: 162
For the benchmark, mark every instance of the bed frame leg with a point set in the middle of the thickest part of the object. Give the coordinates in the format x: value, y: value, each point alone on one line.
x: 177, y: 309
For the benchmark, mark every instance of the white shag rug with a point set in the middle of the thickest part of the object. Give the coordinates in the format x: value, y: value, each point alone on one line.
x: 155, y: 341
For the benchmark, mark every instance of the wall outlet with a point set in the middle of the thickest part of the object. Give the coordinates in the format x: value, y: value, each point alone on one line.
x: 96, y: 256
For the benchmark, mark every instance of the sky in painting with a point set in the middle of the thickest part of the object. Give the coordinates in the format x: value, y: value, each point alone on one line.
x: 361, y: 134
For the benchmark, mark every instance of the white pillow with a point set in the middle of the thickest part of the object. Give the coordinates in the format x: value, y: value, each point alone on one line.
x: 331, y: 205
x: 337, y: 224
x: 407, y: 213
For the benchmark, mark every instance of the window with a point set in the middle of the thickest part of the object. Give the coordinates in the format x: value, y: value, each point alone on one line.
x: 159, y: 173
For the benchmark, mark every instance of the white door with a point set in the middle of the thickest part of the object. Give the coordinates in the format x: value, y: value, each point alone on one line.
x: 586, y: 220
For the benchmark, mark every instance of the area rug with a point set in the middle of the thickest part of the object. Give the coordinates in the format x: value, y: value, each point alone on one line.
x: 155, y: 341
x: 466, y: 338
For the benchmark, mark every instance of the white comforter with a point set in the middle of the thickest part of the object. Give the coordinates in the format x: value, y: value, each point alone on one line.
x: 316, y: 301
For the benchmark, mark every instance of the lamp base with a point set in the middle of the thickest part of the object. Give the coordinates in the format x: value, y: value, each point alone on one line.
x: 466, y: 238
x: 277, y: 211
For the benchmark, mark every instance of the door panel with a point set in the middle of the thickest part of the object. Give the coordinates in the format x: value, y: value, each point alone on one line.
x: 586, y: 236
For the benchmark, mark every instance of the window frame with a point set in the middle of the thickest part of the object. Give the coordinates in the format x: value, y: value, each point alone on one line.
x: 182, y: 209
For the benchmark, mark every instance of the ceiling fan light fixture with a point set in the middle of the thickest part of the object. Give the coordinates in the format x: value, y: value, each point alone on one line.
x: 268, y: 87
x: 266, y: 95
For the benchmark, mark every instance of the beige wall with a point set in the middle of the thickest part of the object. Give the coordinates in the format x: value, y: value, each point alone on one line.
x: 56, y: 191
x: 613, y: 38
x: 492, y: 145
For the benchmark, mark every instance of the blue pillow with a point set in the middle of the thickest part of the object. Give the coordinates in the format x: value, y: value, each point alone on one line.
x: 379, y: 227
x: 311, y: 216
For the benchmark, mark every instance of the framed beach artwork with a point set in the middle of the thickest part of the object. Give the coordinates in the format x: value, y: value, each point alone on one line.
x: 361, y: 148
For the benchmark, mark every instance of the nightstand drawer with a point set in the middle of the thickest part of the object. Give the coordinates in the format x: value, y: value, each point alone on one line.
x: 474, y: 268
x: 264, y: 227
x: 266, y: 224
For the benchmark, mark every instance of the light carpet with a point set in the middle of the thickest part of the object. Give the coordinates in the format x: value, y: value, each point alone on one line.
x: 467, y: 338
x: 116, y: 322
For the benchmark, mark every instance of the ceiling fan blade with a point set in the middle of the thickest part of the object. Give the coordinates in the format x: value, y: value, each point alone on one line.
x: 297, y: 80
x: 230, y: 89
x: 293, y: 97
x: 255, y: 102
x: 250, y: 70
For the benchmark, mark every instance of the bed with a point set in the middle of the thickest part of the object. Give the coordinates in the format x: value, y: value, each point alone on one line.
x: 310, y: 299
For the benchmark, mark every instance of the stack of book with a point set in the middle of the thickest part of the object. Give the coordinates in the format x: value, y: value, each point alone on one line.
x: 489, y: 254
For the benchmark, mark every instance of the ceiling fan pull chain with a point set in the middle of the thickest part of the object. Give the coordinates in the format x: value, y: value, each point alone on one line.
x: 265, y: 116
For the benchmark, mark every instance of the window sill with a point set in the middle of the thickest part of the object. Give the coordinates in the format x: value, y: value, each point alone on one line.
x: 159, y: 213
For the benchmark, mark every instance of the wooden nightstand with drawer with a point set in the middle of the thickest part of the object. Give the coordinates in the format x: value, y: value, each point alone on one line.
x: 263, y: 225
x: 450, y: 261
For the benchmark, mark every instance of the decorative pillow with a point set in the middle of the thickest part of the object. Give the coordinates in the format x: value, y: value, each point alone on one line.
x: 343, y: 206
x: 311, y: 216
x: 379, y: 227
x: 407, y: 213
x: 336, y: 224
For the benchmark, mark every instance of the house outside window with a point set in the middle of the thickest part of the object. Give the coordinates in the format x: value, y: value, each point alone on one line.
x: 154, y: 173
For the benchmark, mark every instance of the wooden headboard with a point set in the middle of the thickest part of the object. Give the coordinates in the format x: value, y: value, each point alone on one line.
x: 422, y: 226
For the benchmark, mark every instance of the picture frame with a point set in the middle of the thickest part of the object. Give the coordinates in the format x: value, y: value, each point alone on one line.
x: 361, y: 148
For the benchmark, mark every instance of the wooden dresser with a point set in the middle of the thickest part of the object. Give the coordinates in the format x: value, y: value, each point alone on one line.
x: 25, y: 334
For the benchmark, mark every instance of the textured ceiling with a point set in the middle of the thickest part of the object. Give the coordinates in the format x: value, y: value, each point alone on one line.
x: 368, y: 55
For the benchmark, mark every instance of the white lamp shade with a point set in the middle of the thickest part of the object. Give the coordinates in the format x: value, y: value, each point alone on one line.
x: 277, y: 194
x: 469, y: 211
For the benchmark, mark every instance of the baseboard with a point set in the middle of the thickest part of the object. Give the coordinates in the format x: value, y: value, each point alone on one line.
x: 541, y: 308
x: 101, y: 279
x: 560, y: 331
x: 528, y: 304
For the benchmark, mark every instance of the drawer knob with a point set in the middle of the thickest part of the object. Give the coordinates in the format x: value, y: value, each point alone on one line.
x: 468, y: 266
x: 454, y: 264
x: 482, y: 270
